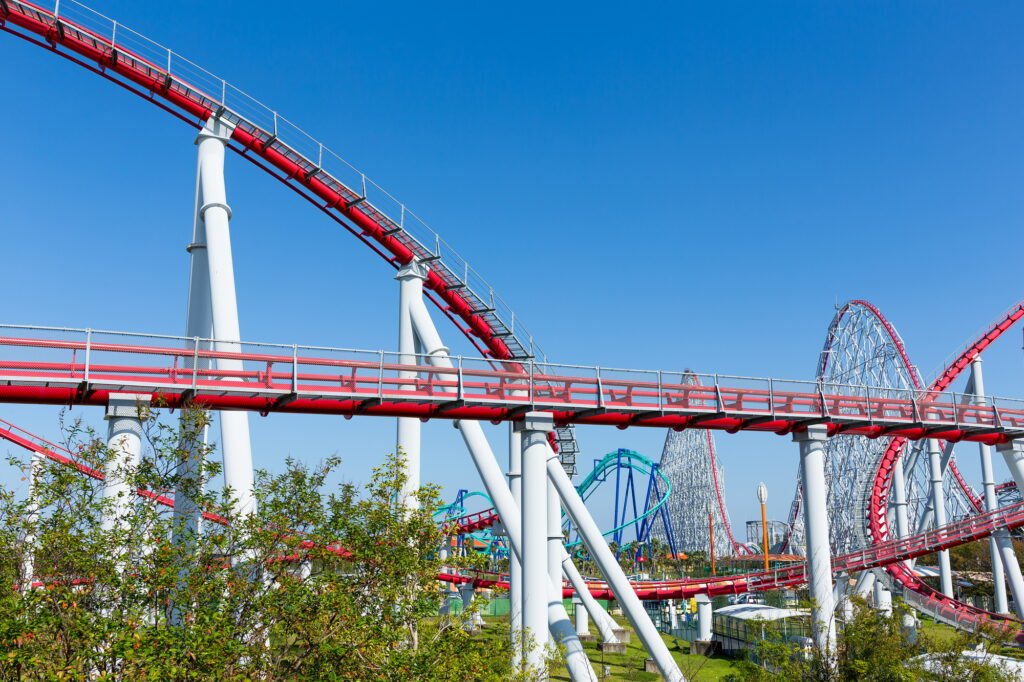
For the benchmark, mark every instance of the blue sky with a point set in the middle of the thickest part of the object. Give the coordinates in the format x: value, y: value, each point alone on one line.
x: 658, y: 185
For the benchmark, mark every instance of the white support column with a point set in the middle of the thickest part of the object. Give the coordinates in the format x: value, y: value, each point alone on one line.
x: 198, y: 326
x: 883, y: 599
x: 216, y: 215
x: 865, y: 581
x: 533, y: 510
x: 610, y: 568
x: 939, y: 512
x: 515, y: 570
x: 819, y: 553
x: 579, y: 613
x: 673, y: 617
x: 899, y: 499
x: 554, y: 535
x: 467, y: 591
x: 1004, y: 561
x: 410, y: 291
x: 605, y: 625
x: 28, y: 564
x: 705, y: 616
x: 124, y: 439
x: 844, y: 607
x: 576, y: 661
x: 1013, y: 455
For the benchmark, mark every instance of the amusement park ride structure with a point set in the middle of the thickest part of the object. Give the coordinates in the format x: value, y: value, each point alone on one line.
x: 852, y: 424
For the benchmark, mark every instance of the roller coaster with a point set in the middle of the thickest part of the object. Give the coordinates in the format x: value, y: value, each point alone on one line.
x: 869, y: 428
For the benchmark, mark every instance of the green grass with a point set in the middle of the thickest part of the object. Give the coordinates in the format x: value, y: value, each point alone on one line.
x: 630, y: 666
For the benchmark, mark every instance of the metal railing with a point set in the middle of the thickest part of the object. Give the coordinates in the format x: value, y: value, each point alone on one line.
x: 53, y: 356
x: 187, y: 79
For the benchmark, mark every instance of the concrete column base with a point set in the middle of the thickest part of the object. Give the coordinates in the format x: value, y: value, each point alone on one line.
x: 702, y: 648
x: 621, y: 634
x: 612, y: 647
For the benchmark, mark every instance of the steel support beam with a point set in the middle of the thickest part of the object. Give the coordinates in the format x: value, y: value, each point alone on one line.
x: 216, y: 215
x: 939, y: 512
x: 1004, y: 560
x: 124, y: 439
x: 410, y: 290
x: 899, y: 501
x: 533, y: 522
x: 819, y: 553
x: 554, y: 533
x: 561, y: 628
x: 515, y: 570
x: 28, y: 563
x: 610, y: 568
x: 605, y: 625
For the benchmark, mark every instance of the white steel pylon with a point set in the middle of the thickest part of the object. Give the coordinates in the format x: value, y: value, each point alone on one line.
x: 213, y: 310
x: 557, y: 619
x: 410, y: 278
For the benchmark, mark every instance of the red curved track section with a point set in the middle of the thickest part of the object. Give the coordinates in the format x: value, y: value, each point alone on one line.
x: 61, y: 455
x: 346, y: 205
x: 878, y: 520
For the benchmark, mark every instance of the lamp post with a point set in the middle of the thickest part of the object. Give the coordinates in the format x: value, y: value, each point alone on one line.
x: 762, y: 495
x: 711, y: 534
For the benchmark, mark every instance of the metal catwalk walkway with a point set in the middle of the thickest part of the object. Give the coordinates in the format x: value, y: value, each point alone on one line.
x: 84, y: 367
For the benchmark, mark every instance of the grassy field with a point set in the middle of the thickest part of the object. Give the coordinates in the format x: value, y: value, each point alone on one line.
x: 630, y: 666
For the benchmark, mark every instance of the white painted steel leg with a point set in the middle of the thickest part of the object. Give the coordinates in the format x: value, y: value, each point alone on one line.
x: 198, y: 326
x: 899, y: 492
x: 576, y: 661
x: 515, y: 591
x: 1004, y: 562
x: 580, y: 616
x: 705, y: 616
x: 490, y: 474
x: 28, y: 564
x: 865, y: 581
x: 533, y: 511
x: 216, y: 215
x: 611, y: 570
x: 819, y: 553
x: 554, y: 534
x: 939, y: 512
x: 1013, y: 455
x: 410, y: 290
x: 605, y: 625
x: 124, y: 438
x: 883, y: 599
x: 468, y: 592
x: 844, y: 607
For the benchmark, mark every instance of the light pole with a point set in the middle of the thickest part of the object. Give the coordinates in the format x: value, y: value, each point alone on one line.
x: 762, y: 495
x: 711, y: 534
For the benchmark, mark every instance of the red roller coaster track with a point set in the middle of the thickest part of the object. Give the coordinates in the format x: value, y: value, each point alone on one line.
x: 349, y: 208
x: 878, y: 528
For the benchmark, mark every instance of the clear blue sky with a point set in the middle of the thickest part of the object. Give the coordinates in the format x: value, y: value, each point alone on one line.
x: 655, y: 185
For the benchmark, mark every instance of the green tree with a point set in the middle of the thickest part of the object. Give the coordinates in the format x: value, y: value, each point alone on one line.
x: 873, y: 647
x: 322, y: 582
